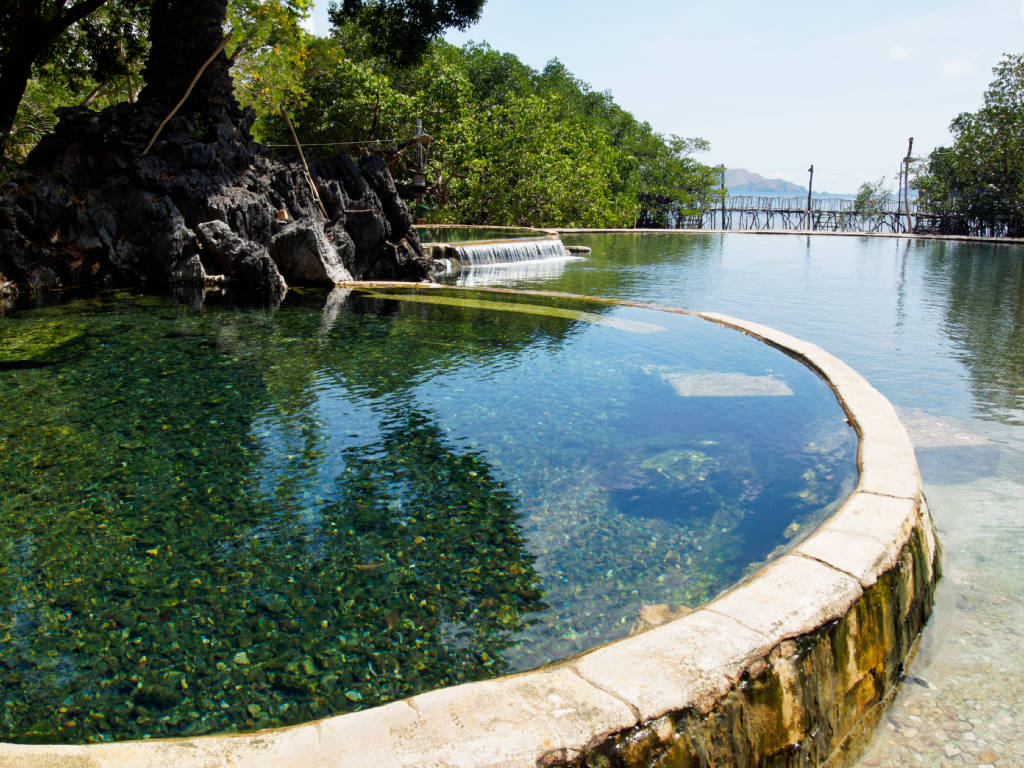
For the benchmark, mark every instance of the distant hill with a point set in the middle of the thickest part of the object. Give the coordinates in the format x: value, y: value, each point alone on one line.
x: 740, y: 181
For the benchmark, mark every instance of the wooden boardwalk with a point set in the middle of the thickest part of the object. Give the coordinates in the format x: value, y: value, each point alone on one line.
x: 832, y: 214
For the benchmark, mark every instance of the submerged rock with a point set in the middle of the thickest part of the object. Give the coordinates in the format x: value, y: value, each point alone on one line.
x: 687, y: 467
x: 654, y: 615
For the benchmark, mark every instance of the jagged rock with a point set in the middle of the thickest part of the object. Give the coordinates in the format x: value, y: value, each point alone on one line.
x: 189, y: 272
x: 89, y: 209
x: 255, y: 273
x: 397, y: 213
x: 218, y: 244
x: 247, y: 265
x: 303, y: 254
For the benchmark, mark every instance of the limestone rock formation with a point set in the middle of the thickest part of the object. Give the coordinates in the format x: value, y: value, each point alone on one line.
x: 205, y: 206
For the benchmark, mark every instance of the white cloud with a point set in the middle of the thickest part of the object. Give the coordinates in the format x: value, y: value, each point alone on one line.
x: 309, y: 24
x: 899, y: 53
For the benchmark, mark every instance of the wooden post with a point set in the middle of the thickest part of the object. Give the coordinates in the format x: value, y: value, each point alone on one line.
x: 810, y: 182
x: 724, y: 193
x: 906, y: 182
x: 419, y: 170
x: 899, y: 196
x: 419, y: 178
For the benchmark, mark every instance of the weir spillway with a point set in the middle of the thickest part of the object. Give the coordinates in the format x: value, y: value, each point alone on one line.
x: 508, y: 251
x: 474, y: 253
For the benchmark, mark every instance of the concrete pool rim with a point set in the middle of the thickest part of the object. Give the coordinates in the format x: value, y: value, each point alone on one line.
x: 752, y: 676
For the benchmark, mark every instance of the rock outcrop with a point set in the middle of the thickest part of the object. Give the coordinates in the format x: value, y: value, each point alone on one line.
x: 204, y: 207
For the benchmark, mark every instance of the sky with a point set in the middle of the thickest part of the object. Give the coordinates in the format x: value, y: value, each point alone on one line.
x: 774, y: 86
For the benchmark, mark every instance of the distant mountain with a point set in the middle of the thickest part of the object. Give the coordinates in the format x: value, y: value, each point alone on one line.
x: 740, y: 181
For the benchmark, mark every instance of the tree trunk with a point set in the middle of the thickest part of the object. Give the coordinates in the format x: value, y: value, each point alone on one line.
x: 23, y: 46
x: 17, y: 69
x: 30, y: 34
x: 183, y: 34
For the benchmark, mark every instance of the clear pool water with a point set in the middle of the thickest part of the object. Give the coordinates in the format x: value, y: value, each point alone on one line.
x: 228, y: 519
x: 938, y: 327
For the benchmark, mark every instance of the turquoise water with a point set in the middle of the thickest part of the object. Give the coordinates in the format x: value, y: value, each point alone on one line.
x: 227, y: 519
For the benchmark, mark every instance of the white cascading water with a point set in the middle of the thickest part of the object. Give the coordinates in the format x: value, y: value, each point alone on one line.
x: 509, y: 251
x: 510, y: 275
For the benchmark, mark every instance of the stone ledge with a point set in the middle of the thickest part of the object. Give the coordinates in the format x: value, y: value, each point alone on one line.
x: 865, y: 537
x: 792, y: 667
x: 689, y: 662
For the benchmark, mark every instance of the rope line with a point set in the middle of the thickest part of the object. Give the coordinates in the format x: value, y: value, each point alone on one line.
x: 340, y: 143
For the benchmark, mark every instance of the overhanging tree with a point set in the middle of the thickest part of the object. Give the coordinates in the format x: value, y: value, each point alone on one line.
x: 36, y: 34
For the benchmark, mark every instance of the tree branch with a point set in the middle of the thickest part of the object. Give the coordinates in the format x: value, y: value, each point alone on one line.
x: 70, y: 16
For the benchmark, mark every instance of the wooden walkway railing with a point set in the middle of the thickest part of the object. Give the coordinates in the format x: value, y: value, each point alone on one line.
x: 831, y: 214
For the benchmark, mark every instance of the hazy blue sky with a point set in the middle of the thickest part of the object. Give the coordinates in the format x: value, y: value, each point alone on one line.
x: 774, y: 86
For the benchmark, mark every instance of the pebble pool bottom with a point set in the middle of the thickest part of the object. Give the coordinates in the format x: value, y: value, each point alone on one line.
x: 226, y: 519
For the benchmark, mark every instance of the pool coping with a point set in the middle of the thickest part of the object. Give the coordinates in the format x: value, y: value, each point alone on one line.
x: 752, y: 676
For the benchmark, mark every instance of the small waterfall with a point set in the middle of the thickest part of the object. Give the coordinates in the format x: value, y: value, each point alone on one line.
x: 508, y: 251
x: 510, y: 275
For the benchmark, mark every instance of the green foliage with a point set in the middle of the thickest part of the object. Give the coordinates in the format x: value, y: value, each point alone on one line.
x: 520, y: 164
x: 401, y: 30
x: 268, y: 52
x: 100, y: 51
x: 981, y: 177
x: 510, y: 146
x: 35, y: 118
x: 871, y: 198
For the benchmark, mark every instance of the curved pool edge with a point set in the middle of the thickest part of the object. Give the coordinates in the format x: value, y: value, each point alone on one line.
x: 795, y: 665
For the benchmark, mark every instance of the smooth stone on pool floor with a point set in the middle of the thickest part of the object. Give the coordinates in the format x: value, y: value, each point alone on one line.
x: 725, y: 385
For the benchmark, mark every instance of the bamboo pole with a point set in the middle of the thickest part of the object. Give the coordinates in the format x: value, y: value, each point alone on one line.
x: 305, y: 167
x: 906, y: 182
x: 191, y: 85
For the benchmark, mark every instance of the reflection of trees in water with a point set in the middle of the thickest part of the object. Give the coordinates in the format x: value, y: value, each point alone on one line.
x: 152, y: 584
x: 981, y: 288
x: 627, y: 266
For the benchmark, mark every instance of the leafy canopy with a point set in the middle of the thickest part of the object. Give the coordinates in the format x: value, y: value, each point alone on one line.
x: 511, y: 145
x: 981, y: 176
x: 401, y: 30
